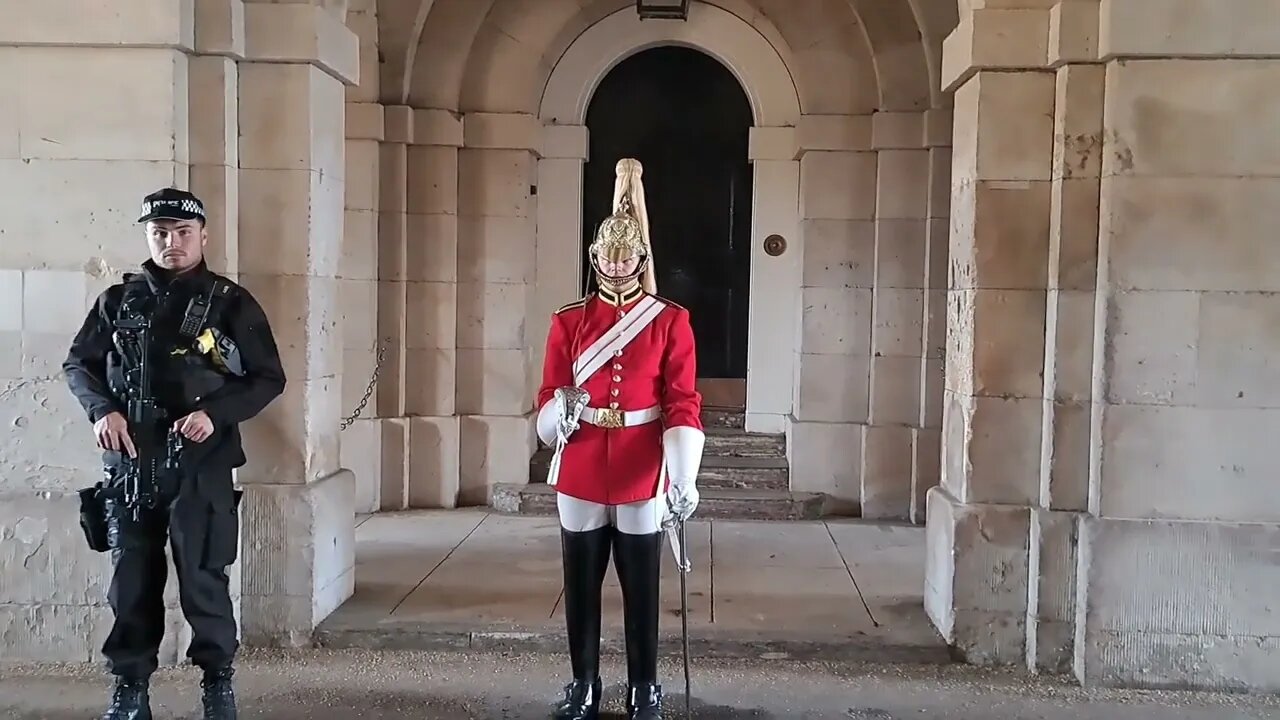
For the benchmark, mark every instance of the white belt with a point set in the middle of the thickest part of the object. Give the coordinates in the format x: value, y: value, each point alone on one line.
x: 610, y: 418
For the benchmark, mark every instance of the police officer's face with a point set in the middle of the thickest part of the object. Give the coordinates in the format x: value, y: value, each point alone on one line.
x: 176, y: 245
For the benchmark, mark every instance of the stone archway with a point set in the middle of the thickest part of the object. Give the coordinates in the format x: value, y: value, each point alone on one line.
x: 763, y: 73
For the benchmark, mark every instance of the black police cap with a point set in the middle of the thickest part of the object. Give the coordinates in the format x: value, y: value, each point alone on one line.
x: 171, y: 204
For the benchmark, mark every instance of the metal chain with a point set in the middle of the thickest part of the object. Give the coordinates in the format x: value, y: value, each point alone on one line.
x: 377, y: 366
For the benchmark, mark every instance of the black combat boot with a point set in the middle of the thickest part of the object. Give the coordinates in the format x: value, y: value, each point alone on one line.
x: 218, y: 697
x: 644, y: 702
x: 581, y: 701
x: 586, y: 558
x: 639, y: 562
x: 130, y: 701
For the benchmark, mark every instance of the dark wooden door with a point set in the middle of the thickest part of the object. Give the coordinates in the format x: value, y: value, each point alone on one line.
x: 684, y: 116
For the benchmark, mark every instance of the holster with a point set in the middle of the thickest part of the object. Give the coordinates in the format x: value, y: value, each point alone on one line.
x: 93, y: 518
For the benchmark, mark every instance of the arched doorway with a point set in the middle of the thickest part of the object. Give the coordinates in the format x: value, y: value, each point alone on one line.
x: 686, y: 118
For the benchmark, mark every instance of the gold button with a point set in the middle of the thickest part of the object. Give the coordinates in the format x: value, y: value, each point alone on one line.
x: 617, y: 378
x: 614, y: 392
x: 613, y: 406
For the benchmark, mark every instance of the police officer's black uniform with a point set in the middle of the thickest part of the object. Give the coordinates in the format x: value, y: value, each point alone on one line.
x: 197, y: 504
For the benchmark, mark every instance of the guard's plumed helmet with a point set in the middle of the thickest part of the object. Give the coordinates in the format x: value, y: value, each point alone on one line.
x: 626, y: 232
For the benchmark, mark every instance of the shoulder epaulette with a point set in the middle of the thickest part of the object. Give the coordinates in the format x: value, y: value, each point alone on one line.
x: 575, y: 304
x: 673, y: 304
x: 223, y: 287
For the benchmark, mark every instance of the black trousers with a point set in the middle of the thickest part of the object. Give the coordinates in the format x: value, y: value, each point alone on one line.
x: 197, y: 516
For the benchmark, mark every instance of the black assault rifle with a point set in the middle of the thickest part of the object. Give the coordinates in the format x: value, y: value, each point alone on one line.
x: 146, y: 419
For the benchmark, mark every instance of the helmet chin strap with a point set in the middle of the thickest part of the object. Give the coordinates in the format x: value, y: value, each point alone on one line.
x: 624, y: 283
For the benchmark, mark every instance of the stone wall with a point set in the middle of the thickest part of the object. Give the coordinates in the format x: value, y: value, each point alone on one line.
x: 242, y: 103
x: 867, y: 416
x: 1102, y: 509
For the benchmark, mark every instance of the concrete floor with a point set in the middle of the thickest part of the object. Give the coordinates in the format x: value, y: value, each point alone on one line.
x: 280, y: 685
x: 814, y: 587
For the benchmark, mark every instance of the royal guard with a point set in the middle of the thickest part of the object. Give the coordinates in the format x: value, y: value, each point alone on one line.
x: 620, y: 406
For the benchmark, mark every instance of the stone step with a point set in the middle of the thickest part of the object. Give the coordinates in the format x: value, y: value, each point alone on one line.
x: 744, y: 473
x: 728, y: 419
x: 732, y: 442
x: 717, y: 471
x: 719, y: 503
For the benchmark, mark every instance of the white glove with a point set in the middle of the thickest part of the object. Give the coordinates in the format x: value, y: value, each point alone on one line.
x: 570, y: 402
x: 682, y: 450
x: 682, y: 499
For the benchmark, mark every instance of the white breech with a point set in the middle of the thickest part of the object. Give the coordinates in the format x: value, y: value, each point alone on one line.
x: 638, y: 518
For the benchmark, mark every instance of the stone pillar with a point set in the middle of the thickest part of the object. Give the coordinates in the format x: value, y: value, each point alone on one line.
x: 431, y: 274
x: 297, y: 59
x: 775, y: 210
x: 76, y: 157
x: 897, y: 309
x: 979, y: 518
x: 213, y: 89
x: 393, y: 186
x: 1069, y: 328
x: 361, y: 442
x: 926, y: 435
x: 558, y: 263
x: 833, y: 366
x: 1177, y: 570
x: 1156, y: 408
x: 497, y: 222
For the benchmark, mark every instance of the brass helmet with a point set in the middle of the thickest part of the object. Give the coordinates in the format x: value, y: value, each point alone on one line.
x: 625, y: 233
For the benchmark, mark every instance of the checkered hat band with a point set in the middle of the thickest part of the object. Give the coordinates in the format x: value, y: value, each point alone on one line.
x: 190, y: 206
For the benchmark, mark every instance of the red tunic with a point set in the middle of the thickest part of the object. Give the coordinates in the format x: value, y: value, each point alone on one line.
x: 657, y: 368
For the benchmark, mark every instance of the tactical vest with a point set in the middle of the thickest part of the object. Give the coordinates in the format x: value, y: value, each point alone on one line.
x: 190, y: 357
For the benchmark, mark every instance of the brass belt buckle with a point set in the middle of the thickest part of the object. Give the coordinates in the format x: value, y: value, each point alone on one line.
x: 609, y: 418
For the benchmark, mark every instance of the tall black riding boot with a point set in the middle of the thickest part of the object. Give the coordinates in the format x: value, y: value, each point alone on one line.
x: 218, y: 697
x: 639, y: 562
x: 585, y: 557
x: 130, y: 701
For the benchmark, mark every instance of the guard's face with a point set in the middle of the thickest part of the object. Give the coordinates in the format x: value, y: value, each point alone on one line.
x: 176, y: 245
x: 617, y: 268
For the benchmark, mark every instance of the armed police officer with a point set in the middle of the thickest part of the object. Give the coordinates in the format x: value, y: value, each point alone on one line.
x: 167, y: 365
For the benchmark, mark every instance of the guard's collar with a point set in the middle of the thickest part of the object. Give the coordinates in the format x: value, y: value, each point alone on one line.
x: 626, y: 297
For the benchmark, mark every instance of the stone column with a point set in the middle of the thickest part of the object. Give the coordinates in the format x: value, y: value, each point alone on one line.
x: 393, y: 186
x: 361, y: 442
x: 1177, y: 559
x: 979, y: 517
x: 1069, y: 328
x: 897, y: 310
x: 497, y: 221
x: 833, y: 366
x: 76, y: 157
x: 213, y: 90
x: 431, y: 274
x: 926, y: 435
x: 298, y: 58
x: 558, y: 263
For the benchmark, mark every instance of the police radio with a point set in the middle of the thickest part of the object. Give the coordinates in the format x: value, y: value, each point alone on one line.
x: 195, y: 317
